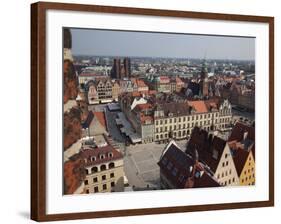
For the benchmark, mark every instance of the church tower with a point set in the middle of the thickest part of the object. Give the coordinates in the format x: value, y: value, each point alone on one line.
x: 204, y: 85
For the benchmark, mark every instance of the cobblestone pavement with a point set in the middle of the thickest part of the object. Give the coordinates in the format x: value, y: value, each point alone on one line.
x: 140, y: 164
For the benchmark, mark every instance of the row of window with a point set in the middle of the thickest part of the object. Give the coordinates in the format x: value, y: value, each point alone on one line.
x: 249, y: 170
x: 188, y: 118
x: 178, y: 127
x: 224, y: 174
x: 104, y: 187
x: 248, y: 178
x: 95, y: 179
x: 228, y: 182
x: 103, y: 167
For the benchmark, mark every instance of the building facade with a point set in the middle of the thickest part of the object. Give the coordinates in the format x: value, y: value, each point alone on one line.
x: 104, y: 170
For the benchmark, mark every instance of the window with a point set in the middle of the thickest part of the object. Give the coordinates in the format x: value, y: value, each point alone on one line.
x: 225, y: 156
x: 218, y: 177
x: 104, y: 187
x: 229, y: 181
x: 96, y: 189
x: 103, y: 177
x: 102, y: 156
x: 233, y: 179
x: 111, y: 175
x: 102, y: 167
x: 112, y: 184
x: 223, y: 164
x: 94, y: 169
x: 110, y: 155
x: 111, y: 165
x: 94, y: 158
x: 86, y: 182
x: 242, y: 180
x: 87, y: 172
x: 95, y: 179
x: 87, y: 191
x: 226, y: 163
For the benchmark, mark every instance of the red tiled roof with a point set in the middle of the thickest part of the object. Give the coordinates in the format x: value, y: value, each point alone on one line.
x: 144, y: 106
x: 164, y: 79
x: 199, y: 106
x: 101, y: 117
x: 141, y: 83
x: 96, y: 152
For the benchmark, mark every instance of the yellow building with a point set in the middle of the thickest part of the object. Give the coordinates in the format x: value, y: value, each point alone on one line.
x: 245, y: 166
x: 104, y: 169
x: 242, y: 145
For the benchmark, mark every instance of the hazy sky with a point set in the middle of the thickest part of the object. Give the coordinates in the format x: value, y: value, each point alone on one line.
x: 147, y: 44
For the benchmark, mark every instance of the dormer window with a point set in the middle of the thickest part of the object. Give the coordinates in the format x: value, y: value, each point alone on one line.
x: 110, y: 155
x: 93, y: 158
x: 102, y: 156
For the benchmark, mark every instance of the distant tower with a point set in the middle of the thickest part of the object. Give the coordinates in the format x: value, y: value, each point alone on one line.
x: 116, y: 68
x: 204, y: 85
x: 127, y: 67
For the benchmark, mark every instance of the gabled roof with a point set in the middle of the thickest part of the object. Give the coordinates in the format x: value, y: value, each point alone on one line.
x: 182, y: 170
x: 239, y: 130
x: 180, y: 162
x: 210, y: 148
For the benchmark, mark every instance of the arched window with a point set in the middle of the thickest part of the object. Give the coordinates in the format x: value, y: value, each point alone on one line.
x: 111, y: 165
x: 103, y: 167
x: 94, y: 169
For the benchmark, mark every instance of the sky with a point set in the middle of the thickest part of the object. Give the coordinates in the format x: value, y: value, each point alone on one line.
x: 150, y: 44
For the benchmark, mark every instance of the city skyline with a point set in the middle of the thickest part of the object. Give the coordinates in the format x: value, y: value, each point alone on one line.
x: 108, y: 43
